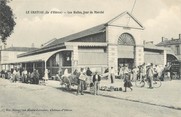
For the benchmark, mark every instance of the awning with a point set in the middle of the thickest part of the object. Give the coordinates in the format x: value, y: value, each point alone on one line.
x: 34, y: 58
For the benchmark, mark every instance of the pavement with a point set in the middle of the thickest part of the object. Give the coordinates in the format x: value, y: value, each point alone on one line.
x: 168, y: 95
x: 28, y: 100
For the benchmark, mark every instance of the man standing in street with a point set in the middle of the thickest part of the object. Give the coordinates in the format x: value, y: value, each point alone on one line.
x: 121, y: 71
x: 96, y: 81
x: 24, y: 75
x: 112, y: 75
x: 150, y: 73
x: 89, y: 74
x: 37, y: 76
x: 82, y: 79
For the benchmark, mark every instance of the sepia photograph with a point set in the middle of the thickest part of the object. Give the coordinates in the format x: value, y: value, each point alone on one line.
x: 90, y: 58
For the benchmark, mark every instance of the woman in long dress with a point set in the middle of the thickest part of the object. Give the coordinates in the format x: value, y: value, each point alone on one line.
x: 46, y: 75
x: 127, y: 82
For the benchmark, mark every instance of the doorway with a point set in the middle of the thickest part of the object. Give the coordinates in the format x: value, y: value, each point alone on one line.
x: 128, y: 61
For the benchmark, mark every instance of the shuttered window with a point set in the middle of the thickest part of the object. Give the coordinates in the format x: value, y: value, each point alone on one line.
x: 92, y: 57
x: 155, y: 59
x: 126, y: 51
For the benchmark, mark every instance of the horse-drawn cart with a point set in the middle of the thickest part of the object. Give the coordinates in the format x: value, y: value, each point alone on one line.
x: 73, y: 80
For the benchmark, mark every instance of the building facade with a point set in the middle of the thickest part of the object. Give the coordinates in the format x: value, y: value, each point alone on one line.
x: 115, y: 42
x: 10, y: 54
x: 174, y: 44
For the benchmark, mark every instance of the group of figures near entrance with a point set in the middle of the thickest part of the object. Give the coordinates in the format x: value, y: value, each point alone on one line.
x: 22, y: 75
x: 145, y: 71
x: 83, y: 79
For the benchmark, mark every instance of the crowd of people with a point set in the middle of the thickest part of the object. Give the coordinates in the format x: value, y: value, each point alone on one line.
x: 128, y: 75
x: 143, y: 71
x: 21, y: 75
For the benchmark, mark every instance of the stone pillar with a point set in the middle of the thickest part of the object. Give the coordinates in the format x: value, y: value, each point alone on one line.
x: 75, y: 58
x: 45, y: 67
x: 112, y: 56
x: 9, y: 67
x: 33, y: 66
x: 45, y: 71
x: 164, y: 57
x: 25, y: 66
x: 139, y: 55
x: 60, y: 60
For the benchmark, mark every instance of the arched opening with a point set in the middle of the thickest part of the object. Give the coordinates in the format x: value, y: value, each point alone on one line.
x: 126, y: 39
x: 126, y: 46
x: 171, y: 58
x: 60, y: 60
x: 52, y: 61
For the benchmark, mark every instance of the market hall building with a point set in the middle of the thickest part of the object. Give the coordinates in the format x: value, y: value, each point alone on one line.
x: 115, y: 42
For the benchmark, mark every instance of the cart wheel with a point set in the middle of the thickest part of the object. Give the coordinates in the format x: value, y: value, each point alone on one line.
x: 157, y: 83
x: 139, y: 83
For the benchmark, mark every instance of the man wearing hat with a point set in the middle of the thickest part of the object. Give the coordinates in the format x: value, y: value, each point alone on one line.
x: 150, y: 73
x: 96, y: 81
x: 82, y: 79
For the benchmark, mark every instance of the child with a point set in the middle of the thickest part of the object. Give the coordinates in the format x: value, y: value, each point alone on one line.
x: 127, y: 82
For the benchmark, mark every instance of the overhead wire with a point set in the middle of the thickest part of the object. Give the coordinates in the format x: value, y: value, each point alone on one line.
x: 131, y: 12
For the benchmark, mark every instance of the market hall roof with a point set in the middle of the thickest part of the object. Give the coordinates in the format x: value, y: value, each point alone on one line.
x: 60, y: 43
x: 94, y: 30
x: 34, y: 58
x: 21, y: 49
x: 91, y: 31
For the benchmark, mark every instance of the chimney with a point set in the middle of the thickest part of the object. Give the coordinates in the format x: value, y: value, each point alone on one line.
x: 163, y: 39
x: 180, y: 36
x: 149, y: 42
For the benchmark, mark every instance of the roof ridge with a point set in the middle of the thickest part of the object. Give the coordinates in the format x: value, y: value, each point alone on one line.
x: 83, y: 30
x: 79, y: 35
x: 19, y: 48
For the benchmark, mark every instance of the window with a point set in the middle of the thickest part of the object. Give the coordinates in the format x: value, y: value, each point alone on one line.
x: 126, y: 39
x: 66, y: 58
x: 177, y: 49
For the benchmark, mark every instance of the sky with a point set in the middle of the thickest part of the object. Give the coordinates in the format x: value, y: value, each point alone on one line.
x: 161, y: 18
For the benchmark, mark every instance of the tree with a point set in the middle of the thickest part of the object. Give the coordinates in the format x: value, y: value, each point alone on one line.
x: 7, y: 22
